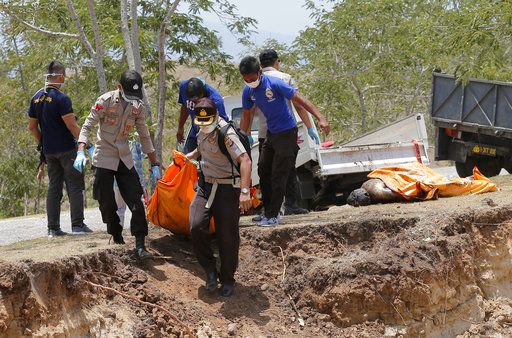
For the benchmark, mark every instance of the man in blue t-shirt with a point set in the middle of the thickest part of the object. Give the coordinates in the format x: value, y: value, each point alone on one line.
x: 190, y: 91
x: 53, y: 124
x: 280, y: 149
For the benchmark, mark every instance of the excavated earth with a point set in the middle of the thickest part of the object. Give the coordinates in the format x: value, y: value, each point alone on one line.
x: 427, y: 269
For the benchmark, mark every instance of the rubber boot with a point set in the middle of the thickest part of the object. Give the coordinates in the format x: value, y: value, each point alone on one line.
x: 140, y: 248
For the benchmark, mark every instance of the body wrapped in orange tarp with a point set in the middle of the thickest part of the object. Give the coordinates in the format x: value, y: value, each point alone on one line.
x: 415, y: 181
x: 169, y: 205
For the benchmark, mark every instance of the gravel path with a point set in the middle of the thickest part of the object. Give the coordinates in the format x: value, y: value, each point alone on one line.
x: 17, y: 229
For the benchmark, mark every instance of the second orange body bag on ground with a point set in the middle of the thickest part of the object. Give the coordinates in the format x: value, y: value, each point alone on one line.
x: 170, y: 203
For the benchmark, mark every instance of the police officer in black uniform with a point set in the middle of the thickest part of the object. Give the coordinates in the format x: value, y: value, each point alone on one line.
x: 222, y: 193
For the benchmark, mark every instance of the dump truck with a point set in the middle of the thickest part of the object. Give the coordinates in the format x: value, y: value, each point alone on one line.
x: 327, y: 174
x: 473, y: 123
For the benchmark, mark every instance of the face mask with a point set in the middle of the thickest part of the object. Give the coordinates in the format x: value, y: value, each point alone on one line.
x: 46, y: 83
x: 253, y: 84
x: 208, y: 129
x: 126, y: 99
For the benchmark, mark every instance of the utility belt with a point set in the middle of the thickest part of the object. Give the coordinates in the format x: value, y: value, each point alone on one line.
x: 233, y: 181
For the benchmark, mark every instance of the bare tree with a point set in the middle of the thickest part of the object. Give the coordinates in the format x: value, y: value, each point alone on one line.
x: 126, y: 35
x: 161, y: 82
x: 132, y: 47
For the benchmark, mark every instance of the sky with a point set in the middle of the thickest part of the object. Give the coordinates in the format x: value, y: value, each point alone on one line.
x: 277, y: 19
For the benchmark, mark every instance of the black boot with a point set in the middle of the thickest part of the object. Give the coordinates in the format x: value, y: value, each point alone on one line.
x: 211, y: 281
x: 118, y: 239
x: 140, y: 248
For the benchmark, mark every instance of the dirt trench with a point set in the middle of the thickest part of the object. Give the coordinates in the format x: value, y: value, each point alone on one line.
x: 383, y: 271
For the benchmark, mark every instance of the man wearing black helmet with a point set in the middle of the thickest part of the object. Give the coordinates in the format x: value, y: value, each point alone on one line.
x: 190, y: 91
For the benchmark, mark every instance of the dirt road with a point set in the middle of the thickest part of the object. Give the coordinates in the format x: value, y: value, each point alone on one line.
x: 427, y: 269
x: 17, y: 229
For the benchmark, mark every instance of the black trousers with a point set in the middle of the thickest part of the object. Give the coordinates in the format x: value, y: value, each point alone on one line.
x: 291, y: 193
x: 131, y: 191
x: 277, y: 158
x: 60, y: 170
x: 225, y: 210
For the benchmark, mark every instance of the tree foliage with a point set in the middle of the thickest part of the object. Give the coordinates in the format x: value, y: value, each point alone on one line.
x: 34, y: 33
x: 363, y: 63
x: 368, y: 62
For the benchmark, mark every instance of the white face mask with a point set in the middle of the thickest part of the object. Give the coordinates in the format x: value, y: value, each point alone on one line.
x: 253, y: 84
x: 208, y: 129
x: 46, y: 82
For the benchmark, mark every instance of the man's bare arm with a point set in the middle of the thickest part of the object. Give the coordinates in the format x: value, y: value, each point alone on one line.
x: 33, y: 126
x: 322, y: 122
x: 73, y: 127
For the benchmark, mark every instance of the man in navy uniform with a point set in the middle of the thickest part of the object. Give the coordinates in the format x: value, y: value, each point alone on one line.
x: 53, y: 124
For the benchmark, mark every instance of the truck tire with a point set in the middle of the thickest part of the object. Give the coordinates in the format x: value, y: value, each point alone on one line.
x: 488, y: 166
x: 464, y: 169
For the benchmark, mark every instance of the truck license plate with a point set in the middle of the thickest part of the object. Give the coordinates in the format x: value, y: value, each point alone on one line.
x: 484, y: 150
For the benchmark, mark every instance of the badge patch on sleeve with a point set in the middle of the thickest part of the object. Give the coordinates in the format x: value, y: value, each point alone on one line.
x: 98, y: 107
x: 229, y: 142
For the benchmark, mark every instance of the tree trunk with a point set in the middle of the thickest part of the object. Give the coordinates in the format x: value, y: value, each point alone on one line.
x: 416, y: 92
x: 102, y: 81
x: 97, y: 56
x: 135, y: 36
x: 362, y: 103
x: 161, y: 82
x: 126, y: 35
x: 23, y: 87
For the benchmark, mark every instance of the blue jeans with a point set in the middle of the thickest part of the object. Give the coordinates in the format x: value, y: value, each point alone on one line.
x: 60, y: 170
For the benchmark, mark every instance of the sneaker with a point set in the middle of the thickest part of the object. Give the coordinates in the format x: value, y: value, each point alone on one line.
x: 81, y: 230
x: 258, y: 218
x: 295, y: 211
x: 56, y: 233
x: 269, y: 222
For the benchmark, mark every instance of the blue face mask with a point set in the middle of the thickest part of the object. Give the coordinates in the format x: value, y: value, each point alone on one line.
x: 126, y: 99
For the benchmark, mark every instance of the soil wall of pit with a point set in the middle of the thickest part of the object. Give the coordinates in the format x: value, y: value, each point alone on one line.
x: 416, y: 277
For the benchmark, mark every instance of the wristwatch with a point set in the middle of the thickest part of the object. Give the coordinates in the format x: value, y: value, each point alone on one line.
x: 245, y: 191
x: 155, y: 164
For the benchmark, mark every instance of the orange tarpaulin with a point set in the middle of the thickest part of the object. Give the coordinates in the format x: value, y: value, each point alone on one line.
x: 415, y: 181
x: 169, y: 205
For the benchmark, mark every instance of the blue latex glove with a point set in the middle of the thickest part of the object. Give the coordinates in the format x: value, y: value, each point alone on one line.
x: 80, y: 161
x: 155, y: 173
x: 251, y: 141
x: 314, y: 135
x: 91, y: 151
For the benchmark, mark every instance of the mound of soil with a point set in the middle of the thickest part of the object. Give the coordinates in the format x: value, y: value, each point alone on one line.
x: 435, y: 268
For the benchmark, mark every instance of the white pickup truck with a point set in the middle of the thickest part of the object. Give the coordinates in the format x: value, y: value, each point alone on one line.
x: 328, y: 174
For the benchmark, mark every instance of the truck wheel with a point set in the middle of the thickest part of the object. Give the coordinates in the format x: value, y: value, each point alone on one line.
x: 464, y: 169
x: 488, y: 166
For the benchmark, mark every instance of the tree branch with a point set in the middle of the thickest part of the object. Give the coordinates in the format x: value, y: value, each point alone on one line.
x: 81, y: 35
x: 39, y: 30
